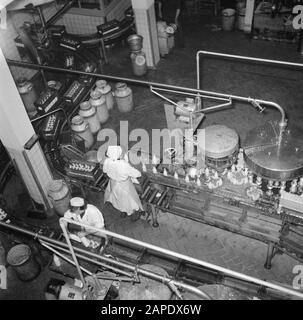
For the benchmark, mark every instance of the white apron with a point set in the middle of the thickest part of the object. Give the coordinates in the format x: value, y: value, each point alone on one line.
x: 120, y: 191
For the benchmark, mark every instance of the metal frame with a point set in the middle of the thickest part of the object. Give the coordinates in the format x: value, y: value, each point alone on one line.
x: 64, y: 222
x: 120, y: 267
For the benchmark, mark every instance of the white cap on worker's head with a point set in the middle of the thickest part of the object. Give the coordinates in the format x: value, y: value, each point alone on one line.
x: 76, y: 202
x: 114, y: 152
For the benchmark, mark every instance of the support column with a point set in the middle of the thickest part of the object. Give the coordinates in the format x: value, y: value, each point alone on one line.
x: 249, y: 15
x: 15, y: 130
x: 145, y: 18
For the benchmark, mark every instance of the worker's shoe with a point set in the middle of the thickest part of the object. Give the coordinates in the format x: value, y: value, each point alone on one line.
x: 135, y: 216
x: 123, y: 214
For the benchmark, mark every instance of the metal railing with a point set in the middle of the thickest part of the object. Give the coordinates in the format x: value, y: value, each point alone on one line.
x: 64, y: 222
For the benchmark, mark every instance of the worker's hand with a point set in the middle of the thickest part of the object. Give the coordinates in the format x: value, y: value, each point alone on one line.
x: 81, y: 234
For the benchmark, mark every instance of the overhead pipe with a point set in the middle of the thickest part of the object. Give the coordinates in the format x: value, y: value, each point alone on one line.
x: 283, y: 121
x: 190, y: 94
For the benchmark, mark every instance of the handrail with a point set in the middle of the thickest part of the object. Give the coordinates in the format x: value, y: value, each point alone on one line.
x: 63, y: 224
x: 170, y: 282
x: 112, y: 262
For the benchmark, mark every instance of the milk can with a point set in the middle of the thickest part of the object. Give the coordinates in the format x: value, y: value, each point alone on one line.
x: 59, y: 194
x: 89, y: 114
x: 28, y: 95
x: 92, y: 156
x: 98, y: 101
x: 106, y: 90
x: 138, y: 63
x: 124, y: 97
x: 24, y: 263
x: 82, y: 131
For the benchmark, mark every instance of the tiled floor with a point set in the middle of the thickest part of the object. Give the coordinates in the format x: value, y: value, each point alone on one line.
x: 280, y: 85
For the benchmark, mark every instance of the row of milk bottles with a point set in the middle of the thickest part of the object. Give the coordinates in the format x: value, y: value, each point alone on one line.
x: 95, y: 112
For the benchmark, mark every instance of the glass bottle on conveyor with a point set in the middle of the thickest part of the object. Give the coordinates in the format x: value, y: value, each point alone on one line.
x: 124, y: 97
x: 98, y: 101
x: 89, y: 114
x: 106, y: 90
x: 82, y: 131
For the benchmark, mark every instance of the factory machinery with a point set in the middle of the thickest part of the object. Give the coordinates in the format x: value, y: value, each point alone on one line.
x: 122, y: 268
x: 253, y: 189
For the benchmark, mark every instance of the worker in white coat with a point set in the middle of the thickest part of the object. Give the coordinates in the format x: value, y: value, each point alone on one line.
x: 88, y: 214
x: 120, y: 191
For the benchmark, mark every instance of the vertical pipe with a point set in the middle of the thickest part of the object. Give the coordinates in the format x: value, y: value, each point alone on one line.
x: 270, y: 250
x: 63, y: 225
x: 41, y: 18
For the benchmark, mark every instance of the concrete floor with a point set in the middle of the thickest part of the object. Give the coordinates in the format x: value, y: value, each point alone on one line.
x: 179, y: 68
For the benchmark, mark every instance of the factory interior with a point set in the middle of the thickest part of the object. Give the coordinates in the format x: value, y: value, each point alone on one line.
x: 220, y: 206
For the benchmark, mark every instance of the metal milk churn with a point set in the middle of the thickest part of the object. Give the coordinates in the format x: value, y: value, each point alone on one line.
x: 124, y: 97
x: 89, y: 114
x: 138, y: 63
x: 106, y: 90
x: 60, y: 196
x: 98, y: 101
x: 82, y: 131
x: 28, y: 95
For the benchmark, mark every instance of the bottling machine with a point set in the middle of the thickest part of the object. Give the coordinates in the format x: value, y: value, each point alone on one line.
x: 254, y: 188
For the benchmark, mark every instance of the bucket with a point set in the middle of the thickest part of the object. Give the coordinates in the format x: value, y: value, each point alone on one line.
x: 241, y: 18
x: 135, y: 42
x: 228, y: 19
x: 20, y: 258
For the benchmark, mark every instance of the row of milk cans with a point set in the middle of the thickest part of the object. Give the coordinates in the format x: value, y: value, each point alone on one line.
x: 95, y: 112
